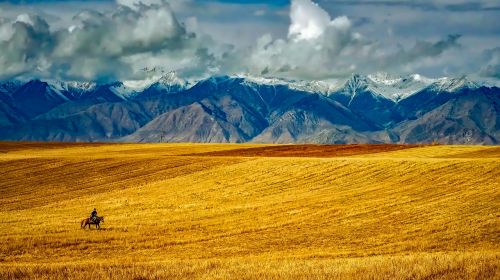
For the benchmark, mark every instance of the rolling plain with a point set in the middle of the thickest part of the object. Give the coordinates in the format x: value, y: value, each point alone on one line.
x: 249, y: 211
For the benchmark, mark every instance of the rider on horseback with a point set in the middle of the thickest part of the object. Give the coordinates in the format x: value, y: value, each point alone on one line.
x: 93, y: 215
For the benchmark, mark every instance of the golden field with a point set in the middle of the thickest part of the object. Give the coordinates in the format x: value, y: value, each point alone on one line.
x: 242, y: 211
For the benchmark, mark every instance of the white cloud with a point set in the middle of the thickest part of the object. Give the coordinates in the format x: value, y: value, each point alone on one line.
x: 308, y: 20
x: 6, y: 30
x: 24, y: 46
x: 319, y: 47
x: 24, y: 18
x: 116, y: 43
x: 102, y: 46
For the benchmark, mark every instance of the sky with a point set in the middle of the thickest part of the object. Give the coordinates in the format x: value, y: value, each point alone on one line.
x: 108, y: 40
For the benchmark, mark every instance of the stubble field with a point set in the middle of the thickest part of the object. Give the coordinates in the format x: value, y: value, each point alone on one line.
x: 226, y: 211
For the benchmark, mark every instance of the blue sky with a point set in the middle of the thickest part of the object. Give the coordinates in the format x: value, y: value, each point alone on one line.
x: 205, y: 37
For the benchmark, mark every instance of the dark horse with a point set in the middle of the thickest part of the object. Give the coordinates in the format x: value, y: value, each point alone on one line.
x: 89, y: 222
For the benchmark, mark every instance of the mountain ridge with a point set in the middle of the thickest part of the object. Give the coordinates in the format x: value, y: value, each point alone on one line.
x: 377, y: 108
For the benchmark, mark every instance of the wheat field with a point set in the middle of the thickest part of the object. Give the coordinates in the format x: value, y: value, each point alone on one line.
x: 244, y: 211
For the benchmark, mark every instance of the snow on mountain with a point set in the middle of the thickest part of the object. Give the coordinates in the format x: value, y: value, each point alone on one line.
x: 359, y: 87
x: 453, y: 84
x: 37, y: 97
x: 9, y: 87
x: 356, y: 83
x: 124, y: 92
x: 171, y: 79
x: 81, y: 90
x: 324, y: 87
x: 397, y: 88
x: 71, y: 85
x: 251, y: 80
x: 52, y: 90
x: 380, y: 84
x: 400, y: 87
x: 368, y: 109
x: 167, y: 82
x: 72, y: 89
x: 384, y: 78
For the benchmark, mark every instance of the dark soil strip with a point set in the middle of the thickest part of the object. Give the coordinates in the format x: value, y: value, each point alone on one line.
x: 310, y: 150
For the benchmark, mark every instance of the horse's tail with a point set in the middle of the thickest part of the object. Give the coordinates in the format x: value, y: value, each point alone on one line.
x: 82, y: 223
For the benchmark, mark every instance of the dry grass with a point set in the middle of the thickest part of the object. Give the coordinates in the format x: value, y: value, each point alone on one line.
x: 419, y: 266
x: 173, y: 212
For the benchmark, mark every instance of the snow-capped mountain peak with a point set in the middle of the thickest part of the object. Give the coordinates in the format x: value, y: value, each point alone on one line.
x: 356, y: 83
x: 453, y: 84
x: 384, y: 78
x: 249, y: 79
x: 397, y: 87
x: 167, y: 80
x: 171, y: 79
x: 122, y: 91
x: 71, y: 85
x: 324, y: 87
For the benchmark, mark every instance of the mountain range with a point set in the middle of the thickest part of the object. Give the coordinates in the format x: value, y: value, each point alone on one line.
x: 376, y: 108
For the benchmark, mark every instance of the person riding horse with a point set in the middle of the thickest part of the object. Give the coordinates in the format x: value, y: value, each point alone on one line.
x: 93, y: 215
x: 92, y: 220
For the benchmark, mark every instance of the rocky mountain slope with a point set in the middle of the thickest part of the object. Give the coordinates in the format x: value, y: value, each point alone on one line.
x: 365, y: 109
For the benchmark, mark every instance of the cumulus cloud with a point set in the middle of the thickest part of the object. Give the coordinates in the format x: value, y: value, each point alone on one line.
x: 116, y: 44
x: 25, y: 45
x: 99, y: 40
x: 319, y: 47
x: 102, y: 46
x: 308, y: 20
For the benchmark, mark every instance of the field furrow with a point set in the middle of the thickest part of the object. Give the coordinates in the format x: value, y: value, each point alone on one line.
x: 289, y: 216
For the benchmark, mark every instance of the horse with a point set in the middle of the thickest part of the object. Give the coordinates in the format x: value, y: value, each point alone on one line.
x: 89, y: 222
